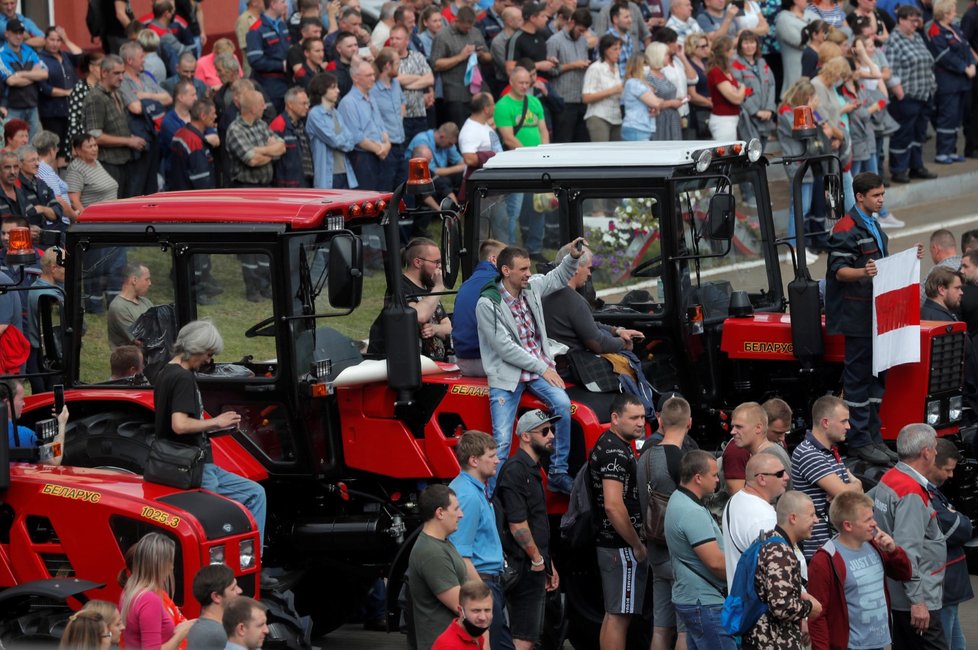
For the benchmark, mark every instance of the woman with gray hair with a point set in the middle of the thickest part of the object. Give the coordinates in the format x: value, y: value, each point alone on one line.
x: 668, y: 125
x: 180, y: 414
x: 47, y: 145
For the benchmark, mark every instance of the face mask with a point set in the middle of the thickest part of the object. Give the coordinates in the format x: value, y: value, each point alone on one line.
x: 475, y: 631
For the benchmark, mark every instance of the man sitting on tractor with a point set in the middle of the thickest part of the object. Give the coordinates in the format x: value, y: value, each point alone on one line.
x: 516, y: 353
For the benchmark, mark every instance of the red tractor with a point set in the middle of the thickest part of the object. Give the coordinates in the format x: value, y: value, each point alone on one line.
x: 343, y: 443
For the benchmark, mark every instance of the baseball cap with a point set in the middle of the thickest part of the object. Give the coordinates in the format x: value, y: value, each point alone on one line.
x: 532, y: 419
x: 14, y: 25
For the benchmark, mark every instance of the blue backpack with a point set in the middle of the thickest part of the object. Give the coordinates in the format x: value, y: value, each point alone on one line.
x: 742, y: 608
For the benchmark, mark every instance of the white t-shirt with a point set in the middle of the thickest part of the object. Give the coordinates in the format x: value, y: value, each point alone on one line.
x: 475, y: 137
x: 745, y: 517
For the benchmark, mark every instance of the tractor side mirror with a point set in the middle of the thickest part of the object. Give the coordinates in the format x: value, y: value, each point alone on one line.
x: 451, y: 244
x: 834, y: 195
x: 345, y: 271
x: 51, y: 321
x: 721, y: 217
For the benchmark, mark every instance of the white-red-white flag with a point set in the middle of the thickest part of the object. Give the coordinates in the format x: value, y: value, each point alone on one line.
x: 896, y: 311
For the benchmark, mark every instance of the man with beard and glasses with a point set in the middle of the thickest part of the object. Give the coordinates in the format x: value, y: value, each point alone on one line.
x: 474, y: 618
x: 422, y: 275
x: 521, y: 512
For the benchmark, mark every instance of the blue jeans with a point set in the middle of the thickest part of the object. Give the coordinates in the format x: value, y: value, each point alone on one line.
x: 29, y: 115
x: 514, y: 205
x: 503, y: 405
x: 500, y: 637
x: 806, y: 206
x: 237, y: 488
x: 631, y: 133
x: 952, y: 628
x: 703, y: 628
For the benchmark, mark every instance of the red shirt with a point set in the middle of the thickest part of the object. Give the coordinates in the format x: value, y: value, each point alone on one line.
x: 735, y: 462
x: 456, y: 638
x: 720, y: 104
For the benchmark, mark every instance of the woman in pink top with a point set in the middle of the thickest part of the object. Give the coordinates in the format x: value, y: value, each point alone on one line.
x: 149, y: 625
x: 206, y: 71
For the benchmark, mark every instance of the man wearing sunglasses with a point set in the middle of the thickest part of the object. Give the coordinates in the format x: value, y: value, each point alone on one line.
x: 750, y: 512
x: 525, y: 526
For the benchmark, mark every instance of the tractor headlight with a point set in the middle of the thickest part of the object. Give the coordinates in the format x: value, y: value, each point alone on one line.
x: 703, y: 160
x: 954, y: 409
x: 246, y: 554
x: 217, y: 554
x: 933, y: 413
x: 754, y: 150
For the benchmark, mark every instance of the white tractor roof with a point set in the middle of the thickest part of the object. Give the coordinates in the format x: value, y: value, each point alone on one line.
x: 607, y: 154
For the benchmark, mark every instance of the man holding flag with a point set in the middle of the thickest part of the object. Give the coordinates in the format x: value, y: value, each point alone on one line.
x: 856, y: 243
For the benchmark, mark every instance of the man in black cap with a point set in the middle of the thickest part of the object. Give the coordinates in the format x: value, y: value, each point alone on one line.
x: 21, y: 70
x: 525, y: 527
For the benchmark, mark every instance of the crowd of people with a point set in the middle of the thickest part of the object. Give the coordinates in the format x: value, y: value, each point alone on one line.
x: 835, y: 567
x: 306, y: 96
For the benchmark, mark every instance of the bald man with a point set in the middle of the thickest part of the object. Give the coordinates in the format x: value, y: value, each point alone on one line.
x: 750, y: 511
x: 251, y: 145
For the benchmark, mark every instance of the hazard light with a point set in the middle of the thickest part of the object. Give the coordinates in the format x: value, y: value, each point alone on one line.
x: 20, y: 249
x: 419, y: 177
x: 694, y: 316
x: 803, y: 126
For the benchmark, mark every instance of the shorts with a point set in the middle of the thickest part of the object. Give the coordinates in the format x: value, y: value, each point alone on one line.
x: 526, y: 602
x: 663, y: 612
x: 622, y: 580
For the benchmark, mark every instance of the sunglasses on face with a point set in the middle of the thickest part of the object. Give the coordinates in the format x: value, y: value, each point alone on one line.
x: 779, y: 474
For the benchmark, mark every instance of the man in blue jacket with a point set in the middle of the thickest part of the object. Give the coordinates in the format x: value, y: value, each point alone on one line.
x: 465, y: 331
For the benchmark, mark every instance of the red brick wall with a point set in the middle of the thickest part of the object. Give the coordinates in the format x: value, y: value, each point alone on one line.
x: 219, y: 17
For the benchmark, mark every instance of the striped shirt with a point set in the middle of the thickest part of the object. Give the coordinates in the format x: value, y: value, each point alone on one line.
x: 91, y: 181
x: 810, y: 463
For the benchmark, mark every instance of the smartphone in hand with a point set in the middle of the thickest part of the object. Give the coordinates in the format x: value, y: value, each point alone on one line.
x: 59, y: 398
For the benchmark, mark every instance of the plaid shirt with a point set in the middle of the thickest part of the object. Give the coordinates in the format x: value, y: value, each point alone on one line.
x: 104, y: 113
x: 913, y: 63
x: 627, y: 49
x: 527, y: 328
x: 242, y: 138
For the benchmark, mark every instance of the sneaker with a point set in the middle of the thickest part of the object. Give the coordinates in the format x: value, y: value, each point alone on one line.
x: 810, y: 257
x: 943, y: 160
x: 889, y: 221
x: 871, y: 454
x: 785, y: 257
x: 560, y: 483
x: 956, y: 158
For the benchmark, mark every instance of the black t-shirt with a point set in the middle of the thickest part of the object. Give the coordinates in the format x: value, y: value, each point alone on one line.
x: 433, y: 347
x: 519, y: 496
x: 524, y: 45
x: 612, y: 458
x: 175, y: 390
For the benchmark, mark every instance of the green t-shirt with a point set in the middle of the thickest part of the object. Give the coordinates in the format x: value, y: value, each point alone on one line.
x: 508, y: 112
x: 434, y: 566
